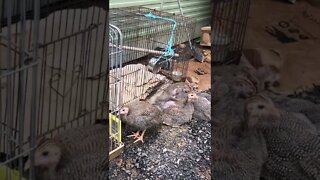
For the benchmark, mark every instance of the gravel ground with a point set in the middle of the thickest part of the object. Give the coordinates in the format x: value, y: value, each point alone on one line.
x: 169, y: 153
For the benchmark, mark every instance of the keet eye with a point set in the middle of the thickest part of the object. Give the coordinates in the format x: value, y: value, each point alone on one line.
x: 45, y: 153
x: 260, y: 106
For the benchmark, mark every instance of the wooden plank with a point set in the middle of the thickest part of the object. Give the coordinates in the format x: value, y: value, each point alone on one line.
x: 116, y: 152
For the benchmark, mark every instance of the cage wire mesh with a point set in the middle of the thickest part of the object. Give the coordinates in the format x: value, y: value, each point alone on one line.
x: 52, y: 75
x: 115, y: 87
x: 229, y: 22
x: 143, y: 32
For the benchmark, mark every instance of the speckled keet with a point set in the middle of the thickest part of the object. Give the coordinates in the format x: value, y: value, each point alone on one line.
x: 55, y: 158
x: 202, y: 107
x: 179, y: 113
x: 289, y: 139
x: 239, y: 152
x: 141, y: 115
x: 173, y: 92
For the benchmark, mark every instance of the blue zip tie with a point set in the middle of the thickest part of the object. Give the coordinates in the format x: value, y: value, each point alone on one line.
x: 168, y: 50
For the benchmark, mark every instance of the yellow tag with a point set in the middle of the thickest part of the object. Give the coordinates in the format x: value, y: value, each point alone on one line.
x: 7, y: 173
x: 115, y: 127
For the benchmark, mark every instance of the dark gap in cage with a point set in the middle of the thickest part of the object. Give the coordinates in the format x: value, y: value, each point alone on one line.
x: 229, y: 21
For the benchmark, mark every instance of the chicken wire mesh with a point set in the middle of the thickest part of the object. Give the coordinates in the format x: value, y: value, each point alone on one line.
x: 229, y: 22
x: 52, y: 75
x: 143, y: 32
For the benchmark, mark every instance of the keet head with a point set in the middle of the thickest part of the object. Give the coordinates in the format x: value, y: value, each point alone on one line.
x: 243, y: 87
x: 124, y: 111
x: 269, y: 75
x: 260, y: 111
x: 192, y: 97
x: 47, y: 155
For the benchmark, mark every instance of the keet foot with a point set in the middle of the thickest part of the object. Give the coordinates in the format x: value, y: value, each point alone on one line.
x: 135, y: 135
x: 140, y: 138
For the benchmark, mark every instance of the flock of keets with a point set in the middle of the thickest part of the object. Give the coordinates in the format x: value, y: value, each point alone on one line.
x: 259, y: 134
x: 173, y: 106
x: 81, y: 153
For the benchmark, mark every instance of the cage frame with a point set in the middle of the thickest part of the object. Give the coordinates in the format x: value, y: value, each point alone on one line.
x: 26, y: 60
x: 116, y: 145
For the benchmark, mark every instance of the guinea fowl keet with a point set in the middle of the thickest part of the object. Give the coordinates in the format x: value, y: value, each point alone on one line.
x: 179, y: 113
x: 141, y: 115
x: 294, y: 145
x: 56, y: 158
x: 239, y: 152
x: 173, y: 92
x: 202, y: 107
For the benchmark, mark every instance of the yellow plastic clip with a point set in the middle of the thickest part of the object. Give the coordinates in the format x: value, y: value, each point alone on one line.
x: 115, y: 127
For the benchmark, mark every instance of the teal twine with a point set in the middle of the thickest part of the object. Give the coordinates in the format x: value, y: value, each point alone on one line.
x: 168, y: 50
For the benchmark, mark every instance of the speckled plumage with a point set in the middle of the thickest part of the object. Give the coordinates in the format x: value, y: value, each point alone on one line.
x: 308, y: 109
x: 238, y: 153
x: 202, y: 108
x: 172, y: 92
x: 275, y: 168
x: 178, y: 88
x: 230, y: 109
x: 292, y: 140
x: 178, y: 113
x: 313, y: 114
x: 85, y: 167
x: 55, y: 157
x: 220, y: 90
x: 84, y: 140
x: 142, y: 115
x: 290, y: 104
x: 205, y: 95
x: 244, y: 87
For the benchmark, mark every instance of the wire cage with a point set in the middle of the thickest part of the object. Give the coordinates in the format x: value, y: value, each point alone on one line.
x: 115, y: 91
x: 52, y: 74
x: 229, y: 22
x: 143, y: 32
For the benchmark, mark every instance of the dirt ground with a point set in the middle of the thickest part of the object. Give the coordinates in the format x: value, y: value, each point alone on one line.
x: 194, y: 65
x: 299, y: 21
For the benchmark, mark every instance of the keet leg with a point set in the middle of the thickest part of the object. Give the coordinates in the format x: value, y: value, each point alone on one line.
x: 135, y: 135
x: 140, y: 138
